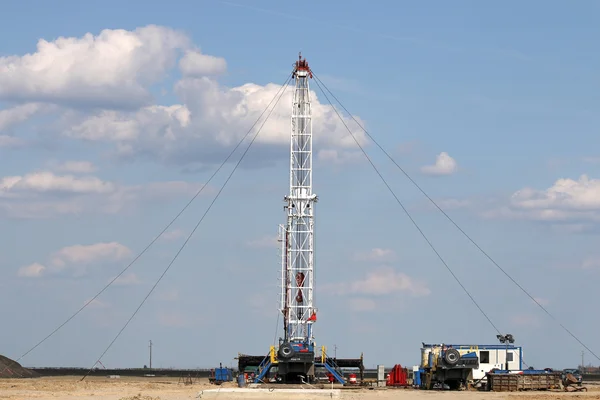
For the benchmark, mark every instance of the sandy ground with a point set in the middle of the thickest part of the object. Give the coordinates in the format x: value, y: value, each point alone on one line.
x: 93, y: 388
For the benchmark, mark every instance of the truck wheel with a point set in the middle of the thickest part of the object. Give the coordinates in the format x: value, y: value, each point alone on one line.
x: 286, y: 351
x: 451, y: 356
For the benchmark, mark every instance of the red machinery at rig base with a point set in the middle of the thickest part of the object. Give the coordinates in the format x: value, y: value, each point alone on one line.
x: 398, y: 377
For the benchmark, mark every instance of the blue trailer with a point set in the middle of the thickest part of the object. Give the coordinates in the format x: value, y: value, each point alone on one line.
x: 220, y: 375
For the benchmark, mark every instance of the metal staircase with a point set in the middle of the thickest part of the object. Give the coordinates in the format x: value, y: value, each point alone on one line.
x: 330, y: 365
x: 263, y: 368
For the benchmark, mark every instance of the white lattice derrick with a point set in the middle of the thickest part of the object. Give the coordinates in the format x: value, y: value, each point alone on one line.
x: 298, y: 237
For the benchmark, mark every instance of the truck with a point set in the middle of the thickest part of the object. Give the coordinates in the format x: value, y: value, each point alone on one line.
x: 444, y: 367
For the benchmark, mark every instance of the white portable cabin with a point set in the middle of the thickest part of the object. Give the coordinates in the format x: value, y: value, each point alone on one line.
x: 494, y: 356
x: 490, y: 356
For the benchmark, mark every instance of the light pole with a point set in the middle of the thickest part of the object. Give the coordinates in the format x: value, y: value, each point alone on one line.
x: 508, y: 338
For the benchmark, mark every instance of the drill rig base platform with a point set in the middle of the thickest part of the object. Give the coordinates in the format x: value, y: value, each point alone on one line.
x: 267, y: 369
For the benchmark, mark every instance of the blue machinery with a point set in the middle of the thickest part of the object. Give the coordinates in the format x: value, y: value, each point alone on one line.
x: 271, y: 360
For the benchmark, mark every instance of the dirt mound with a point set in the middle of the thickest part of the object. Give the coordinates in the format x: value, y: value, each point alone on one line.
x: 12, y: 369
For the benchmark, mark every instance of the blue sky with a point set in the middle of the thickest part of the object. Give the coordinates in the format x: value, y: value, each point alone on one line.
x: 109, y: 126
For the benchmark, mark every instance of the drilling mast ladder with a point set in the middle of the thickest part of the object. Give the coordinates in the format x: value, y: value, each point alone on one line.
x: 295, y: 358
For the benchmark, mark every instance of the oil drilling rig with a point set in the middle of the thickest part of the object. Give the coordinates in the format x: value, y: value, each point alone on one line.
x: 295, y: 359
x: 296, y: 352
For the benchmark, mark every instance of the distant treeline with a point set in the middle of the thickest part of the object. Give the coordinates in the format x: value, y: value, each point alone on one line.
x: 171, y: 372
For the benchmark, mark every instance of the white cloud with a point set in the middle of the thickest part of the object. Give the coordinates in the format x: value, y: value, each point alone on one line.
x: 542, y: 301
x: 95, y: 303
x: 210, y: 120
x: 196, y: 64
x: 76, y: 259
x: 376, y: 254
x: 339, y: 156
x: 127, y: 280
x: 566, y: 201
x: 76, y: 167
x: 45, y: 194
x: 100, y: 88
x: 444, y: 165
x: 49, y: 182
x: 34, y: 270
x: 17, y: 114
x: 86, y: 254
x: 124, y: 127
x: 565, y: 194
x: 380, y: 281
x: 113, y: 68
x: 173, y: 235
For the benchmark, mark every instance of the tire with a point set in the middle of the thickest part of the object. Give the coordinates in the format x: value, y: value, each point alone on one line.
x: 286, y: 351
x: 451, y: 356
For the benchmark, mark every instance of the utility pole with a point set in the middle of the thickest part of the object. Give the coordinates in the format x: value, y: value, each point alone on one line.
x: 335, y: 351
x: 150, y: 346
x: 582, y: 364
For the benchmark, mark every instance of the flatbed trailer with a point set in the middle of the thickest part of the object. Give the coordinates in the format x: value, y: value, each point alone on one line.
x: 523, y: 380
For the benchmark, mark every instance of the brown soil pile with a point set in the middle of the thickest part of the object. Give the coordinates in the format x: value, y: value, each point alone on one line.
x: 12, y: 369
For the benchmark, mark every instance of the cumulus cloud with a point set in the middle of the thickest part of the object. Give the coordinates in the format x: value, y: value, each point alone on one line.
x: 76, y: 167
x: 196, y: 64
x: 444, y: 165
x: 111, y: 69
x: 76, y: 259
x: 100, y: 87
x: 46, y: 194
x: 541, y: 300
x: 17, y: 114
x: 566, y: 201
x: 210, y: 121
x: 378, y: 282
x: 127, y: 280
x: 34, y: 270
x: 339, y: 157
x: 86, y: 254
x: 376, y: 254
x: 49, y: 182
x: 173, y: 234
x: 95, y: 303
